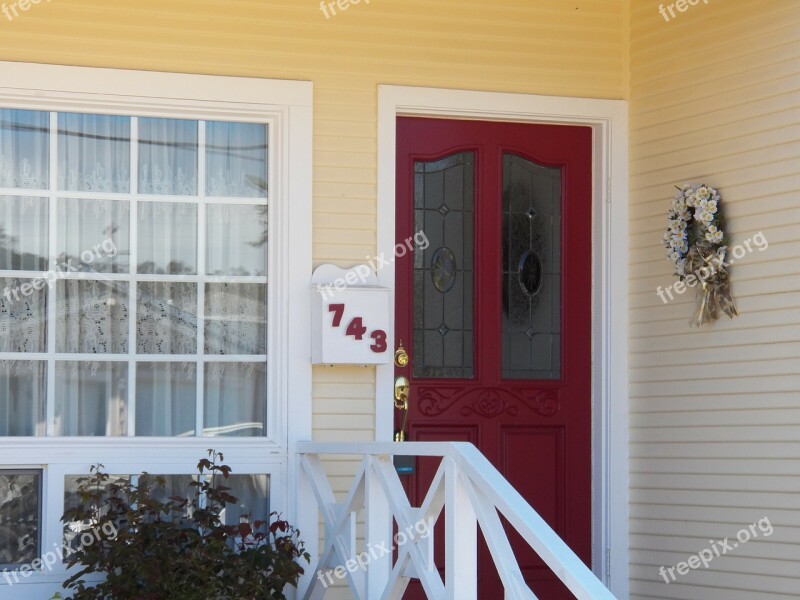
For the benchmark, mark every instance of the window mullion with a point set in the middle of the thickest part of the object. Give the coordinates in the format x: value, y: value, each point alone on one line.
x: 132, y: 270
x: 52, y: 290
x: 201, y: 272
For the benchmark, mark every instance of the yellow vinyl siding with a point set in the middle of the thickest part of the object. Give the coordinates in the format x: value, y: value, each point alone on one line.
x: 543, y: 47
x: 715, y: 413
x: 548, y: 47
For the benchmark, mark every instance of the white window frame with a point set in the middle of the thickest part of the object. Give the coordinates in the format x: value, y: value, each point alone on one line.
x: 286, y: 106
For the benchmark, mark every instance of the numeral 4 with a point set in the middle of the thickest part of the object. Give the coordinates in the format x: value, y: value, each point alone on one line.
x: 356, y: 328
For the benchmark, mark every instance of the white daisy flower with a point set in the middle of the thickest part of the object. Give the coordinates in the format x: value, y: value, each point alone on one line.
x: 701, y: 205
x: 679, y: 204
x: 712, y: 207
x: 705, y: 217
x: 680, y: 235
x: 713, y: 234
x: 702, y: 193
x: 684, y: 247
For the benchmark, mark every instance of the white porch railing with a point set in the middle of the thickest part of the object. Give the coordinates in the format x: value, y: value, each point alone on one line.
x: 471, y: 489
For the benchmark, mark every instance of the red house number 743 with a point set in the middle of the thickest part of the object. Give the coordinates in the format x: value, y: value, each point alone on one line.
x: 357, y: 330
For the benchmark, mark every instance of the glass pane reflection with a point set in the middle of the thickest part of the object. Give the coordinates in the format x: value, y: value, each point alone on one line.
x: 20, y: 516
x: 91, y: 399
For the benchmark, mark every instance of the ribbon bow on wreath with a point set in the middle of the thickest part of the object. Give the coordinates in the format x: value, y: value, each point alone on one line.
x: 696, y: 245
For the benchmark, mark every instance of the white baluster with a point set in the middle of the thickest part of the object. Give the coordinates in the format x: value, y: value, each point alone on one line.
x: 461, y: 538
x: 378, y: 529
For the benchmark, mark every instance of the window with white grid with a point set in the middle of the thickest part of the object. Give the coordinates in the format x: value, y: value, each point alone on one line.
x: 133, y: 275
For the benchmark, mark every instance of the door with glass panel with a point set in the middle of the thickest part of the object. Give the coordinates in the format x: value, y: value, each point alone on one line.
x: 133, y: 287
x: 496, y: 314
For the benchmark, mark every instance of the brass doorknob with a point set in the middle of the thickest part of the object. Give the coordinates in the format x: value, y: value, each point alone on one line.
x: 401, y: 356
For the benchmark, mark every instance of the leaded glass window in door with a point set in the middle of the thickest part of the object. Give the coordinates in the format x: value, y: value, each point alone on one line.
x: 531, y: 330
x: 444, y: 199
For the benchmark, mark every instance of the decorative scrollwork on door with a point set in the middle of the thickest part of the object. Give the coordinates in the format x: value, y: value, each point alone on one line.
x: 489, y: 403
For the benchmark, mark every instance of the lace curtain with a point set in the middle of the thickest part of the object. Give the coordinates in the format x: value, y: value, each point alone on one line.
x: 23, y: 318
x: 24, y: 149
x: 23, y: 389
x: 247, y: 383
x: 237, y: 240
x: 159, y: 240
x: 235, y: 318
x: 94, y: 235
x: 93, y: 317
x: 236, y: 160
x: 166, y: 399
x: 168, y: 157
x: 91, y: 398
x: 166, y: 322
x: 23, y: 233
x: 167, y: 243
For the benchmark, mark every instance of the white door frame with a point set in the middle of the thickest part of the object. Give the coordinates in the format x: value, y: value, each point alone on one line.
x: 609, y: 121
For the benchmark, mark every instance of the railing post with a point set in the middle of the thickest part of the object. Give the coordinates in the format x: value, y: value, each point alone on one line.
x: 378, y: 532
x: 307, y: 515
x: 461, y: 538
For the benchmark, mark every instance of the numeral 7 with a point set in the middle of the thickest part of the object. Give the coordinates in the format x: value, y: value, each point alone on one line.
x: 338, y: 313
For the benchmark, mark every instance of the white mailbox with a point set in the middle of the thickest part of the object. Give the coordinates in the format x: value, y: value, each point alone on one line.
x: 350, y: 317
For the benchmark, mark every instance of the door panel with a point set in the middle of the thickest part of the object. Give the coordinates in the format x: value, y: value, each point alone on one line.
x: 540, y: 479
x: 496, y: 312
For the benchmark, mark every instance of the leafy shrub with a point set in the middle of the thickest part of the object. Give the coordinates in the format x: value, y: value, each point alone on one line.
x: 158, y: 548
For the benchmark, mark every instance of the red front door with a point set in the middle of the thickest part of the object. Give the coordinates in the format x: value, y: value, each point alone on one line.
x: 495, y: 312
